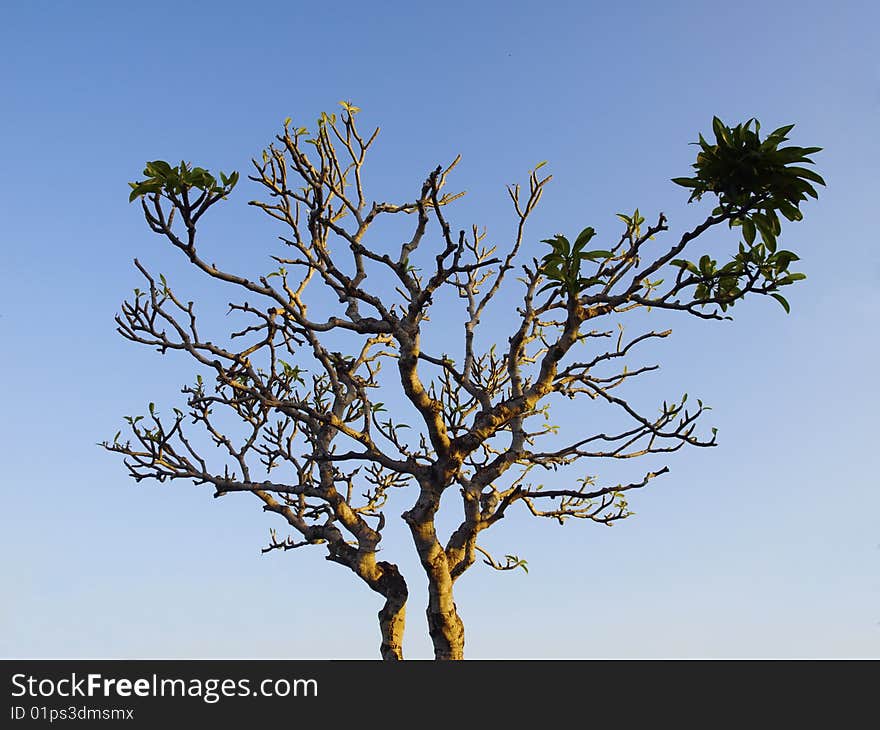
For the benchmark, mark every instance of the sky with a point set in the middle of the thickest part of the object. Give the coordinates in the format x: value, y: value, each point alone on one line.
x: 767, y: 546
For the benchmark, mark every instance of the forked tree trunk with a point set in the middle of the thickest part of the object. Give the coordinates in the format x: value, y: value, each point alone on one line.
x: 444, y: 624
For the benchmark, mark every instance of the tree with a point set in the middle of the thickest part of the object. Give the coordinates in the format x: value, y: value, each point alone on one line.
x: 310, y: 412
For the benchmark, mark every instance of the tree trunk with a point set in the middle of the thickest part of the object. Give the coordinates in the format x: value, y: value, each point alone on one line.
x: 392, y: 618
x: 444, y: 624
x: 447, y: 632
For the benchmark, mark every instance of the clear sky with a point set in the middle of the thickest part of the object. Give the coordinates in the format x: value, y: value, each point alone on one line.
x: 767, y: 546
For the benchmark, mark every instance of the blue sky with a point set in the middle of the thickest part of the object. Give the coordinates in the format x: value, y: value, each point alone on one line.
x: 767, y: 546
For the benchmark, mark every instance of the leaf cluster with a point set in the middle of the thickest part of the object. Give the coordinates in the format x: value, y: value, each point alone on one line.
x: 756, y: 177
x: 740, y: 166
x: 726, y: 284
x: 562, y: 266
x: 163, y: 178
x: 755, y: 180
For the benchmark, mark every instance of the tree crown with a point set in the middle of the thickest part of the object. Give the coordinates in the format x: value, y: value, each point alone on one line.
x: 310, y: 413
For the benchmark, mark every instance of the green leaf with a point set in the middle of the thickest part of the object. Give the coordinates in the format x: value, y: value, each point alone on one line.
x: 584, y: 236
x: 780, y: 134
x: 781, y: 299
x: 593, y: 255
x: 144, y: 188
x: 805, y: 173
x: 783, y: 258
x: 689, y: 265
x: 721, y: 131
x: 748, y: 231
x: 584, y: 283
x: 158, y: 168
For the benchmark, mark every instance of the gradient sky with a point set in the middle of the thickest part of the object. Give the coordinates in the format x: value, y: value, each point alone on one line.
x: 767, y: 546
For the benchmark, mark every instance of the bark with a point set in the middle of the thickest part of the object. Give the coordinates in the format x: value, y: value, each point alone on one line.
x: 446, y: 628
x: 392, y: 617
x: 444, y: 624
